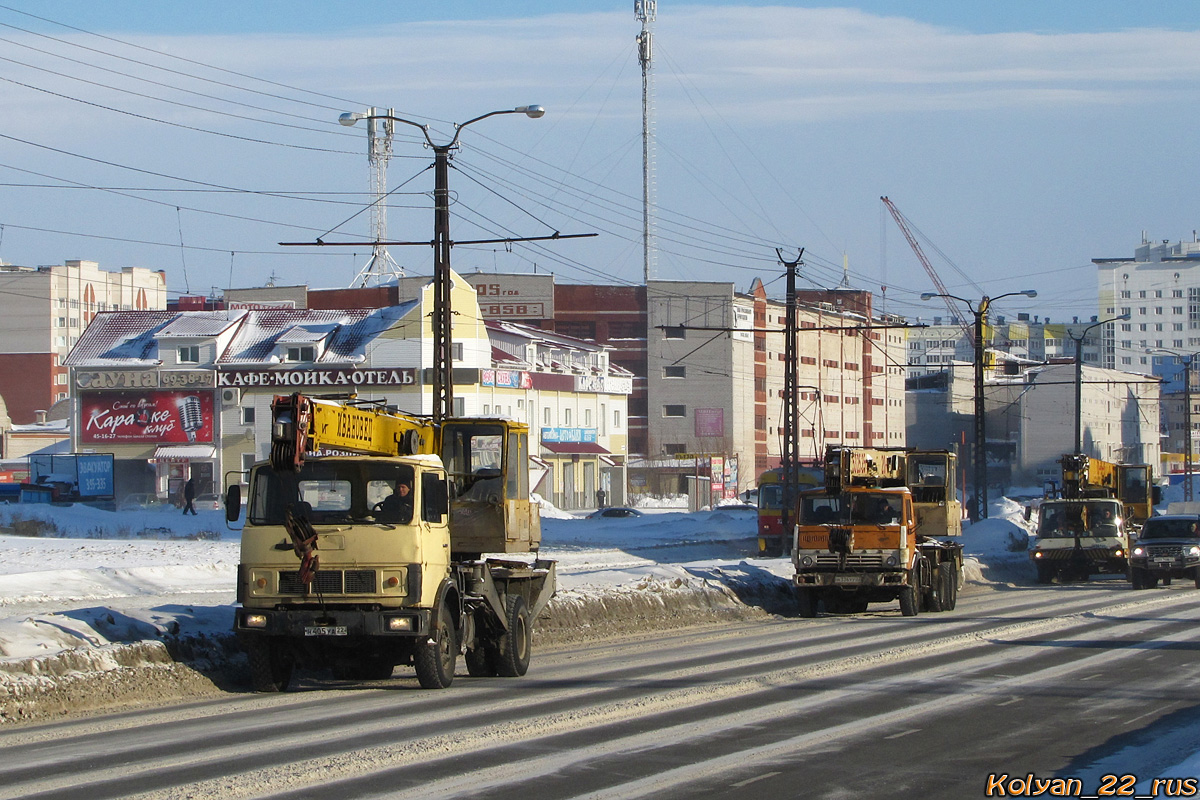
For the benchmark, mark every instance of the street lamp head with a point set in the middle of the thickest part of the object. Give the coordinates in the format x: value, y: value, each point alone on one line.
x: 351, y: 117
x: 928, y: 295
x: 533, y: 112
x: 1028, y: 292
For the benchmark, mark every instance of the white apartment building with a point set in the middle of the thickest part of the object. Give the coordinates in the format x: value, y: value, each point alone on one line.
x: 44, y: 310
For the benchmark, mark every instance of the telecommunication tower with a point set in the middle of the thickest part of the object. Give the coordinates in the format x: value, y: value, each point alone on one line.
x: 646, y: 11
x: 381, y: 267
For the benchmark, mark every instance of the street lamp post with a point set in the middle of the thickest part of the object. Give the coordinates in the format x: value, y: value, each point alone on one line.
x: 1186, y: 360
x: 1079, y: 377
x: 980, y: 459
x: 443, y: 350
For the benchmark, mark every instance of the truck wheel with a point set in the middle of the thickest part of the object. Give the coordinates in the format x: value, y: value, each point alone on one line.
x: 1197, y: 576
x: 1167, y: 580
x: 935, y: 598
x: 516, y: 644
x: 435, y: 658
x: 1135, y: 578
x: 950, y: 598
x: 806, y: 602
x: 481, y: 660
x: 909, y: 602
x: 1045, y: 572
x: 270, y: 666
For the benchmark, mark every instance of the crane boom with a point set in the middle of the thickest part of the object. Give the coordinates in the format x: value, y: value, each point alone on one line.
x: 902, y: 224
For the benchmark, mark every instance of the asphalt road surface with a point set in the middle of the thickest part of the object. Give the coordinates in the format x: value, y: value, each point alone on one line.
x: 1056, y: 681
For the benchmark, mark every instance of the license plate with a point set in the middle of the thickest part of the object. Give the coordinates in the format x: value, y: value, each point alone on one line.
x: 1164, y: 561
x: 326, y: 630
x: 853, y: 579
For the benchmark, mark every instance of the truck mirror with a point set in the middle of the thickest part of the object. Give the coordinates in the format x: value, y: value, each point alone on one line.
x: 1155, y: 495
x: 1028, y: 513
x: 233, y: 503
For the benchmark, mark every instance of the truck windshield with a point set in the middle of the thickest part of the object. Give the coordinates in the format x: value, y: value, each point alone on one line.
x: 858, y: 508
x: 331, y: 491
x: 1070, y: 519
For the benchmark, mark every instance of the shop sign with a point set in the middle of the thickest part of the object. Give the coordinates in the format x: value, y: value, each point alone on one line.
x: 710, y: 421
x: 505, y: 379
x: 569, y: 435
x: 158, y: 417
x: 294, y: 378
x: 603, y: 384
x: 144, y: 379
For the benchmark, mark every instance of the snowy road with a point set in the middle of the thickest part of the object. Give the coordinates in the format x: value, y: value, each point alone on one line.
x: 1058, y: 680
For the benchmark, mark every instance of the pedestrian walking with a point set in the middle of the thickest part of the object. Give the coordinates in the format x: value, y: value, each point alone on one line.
x: 189, y: 494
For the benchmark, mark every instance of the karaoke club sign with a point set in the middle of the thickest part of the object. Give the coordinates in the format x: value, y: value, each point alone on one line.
x: 158, y: 417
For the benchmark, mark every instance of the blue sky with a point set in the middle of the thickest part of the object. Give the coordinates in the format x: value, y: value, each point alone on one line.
x: 1021, y: 138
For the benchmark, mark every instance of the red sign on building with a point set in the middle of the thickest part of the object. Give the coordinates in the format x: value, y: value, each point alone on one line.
x: 160, y: 417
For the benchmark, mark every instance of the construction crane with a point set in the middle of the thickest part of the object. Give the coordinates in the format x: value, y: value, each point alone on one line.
x: 902, y: 223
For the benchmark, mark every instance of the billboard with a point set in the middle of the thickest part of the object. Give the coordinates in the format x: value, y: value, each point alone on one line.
x: 151, y: 417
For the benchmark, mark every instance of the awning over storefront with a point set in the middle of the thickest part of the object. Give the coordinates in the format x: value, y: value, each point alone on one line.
x: 574, y: 448
x: 179, y: 452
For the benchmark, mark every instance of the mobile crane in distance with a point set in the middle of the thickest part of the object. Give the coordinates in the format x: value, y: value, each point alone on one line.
x: 342, y: 567
x: 870, y: 534
x: 1085, y: 525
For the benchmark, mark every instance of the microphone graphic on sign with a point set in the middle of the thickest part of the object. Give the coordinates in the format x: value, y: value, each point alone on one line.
x: 191, y: 417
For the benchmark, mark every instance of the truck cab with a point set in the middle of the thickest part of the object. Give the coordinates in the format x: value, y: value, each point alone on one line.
x: 1080, y: 538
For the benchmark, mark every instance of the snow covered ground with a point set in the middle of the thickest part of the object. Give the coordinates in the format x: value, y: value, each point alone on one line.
x: 93, y: 580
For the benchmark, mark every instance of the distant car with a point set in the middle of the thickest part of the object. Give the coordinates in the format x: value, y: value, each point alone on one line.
x: 614, y: 511
x: 735, y: 507
x: 208, y: 502
x: 141, y: 501
x: 1167, y: 547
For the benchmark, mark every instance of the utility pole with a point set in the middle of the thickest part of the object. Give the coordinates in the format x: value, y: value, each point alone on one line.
x: 646, y: 11
x: 791, y: 398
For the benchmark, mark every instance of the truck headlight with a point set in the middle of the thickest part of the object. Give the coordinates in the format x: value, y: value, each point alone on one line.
x: 399, y: 623
x: 807, y: 561
x: 254, y: 620
x: 1036, y: 554
x: 893, y: 560
x: 1193, y: 552
x: 1139, y: 551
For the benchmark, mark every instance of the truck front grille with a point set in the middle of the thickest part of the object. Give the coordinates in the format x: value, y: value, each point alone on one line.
x: 853, y: 560
x: 330, y: 581
x: 1164, y: 550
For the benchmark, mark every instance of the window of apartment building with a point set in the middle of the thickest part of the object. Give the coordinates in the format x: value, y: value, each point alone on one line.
x: 830, y: 363
x: 587, y: 418
x: 189, y: 354
x: 1142, y: 326
x: 1176, y: 326
x: 1142, y: 310
x: 74, y: 322
x: 1177, y: 310
x: 306, y: 353
x: 61, y: 322
x: 1126, y: 327
x: 850, y: 365
x: 675, y: 448
x: 616, y: 419
x: 1124, y: 294
x: 1177, y: 293
x: 60, y: 379
x: 674, y: 332
x: 1143, y: 360
x: 60, y: 341
x: 546, y: 416
x: 566, y: 417
x: 1158, y: 311
x: 1158, y: 292
x: 1177, y: 343
x: 1126, y: 343
x: 674, y: 410
x: 832, y: 398
x: 915, y: 345
x: 675, y: 371
x: 248, y: 460
x: 1126, y: 360
x: 1158, y: 343
x: 1156, y: 360
x: 248, y: 415
x: 1125, y: 311
x: 808, y: 360
x: 1142, y: 294
x: 1158, y: 326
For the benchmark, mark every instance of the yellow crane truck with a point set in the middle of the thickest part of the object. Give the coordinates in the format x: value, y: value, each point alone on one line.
x: 1085, y: 525
x: 870, y: 535
x: 374, y: 539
